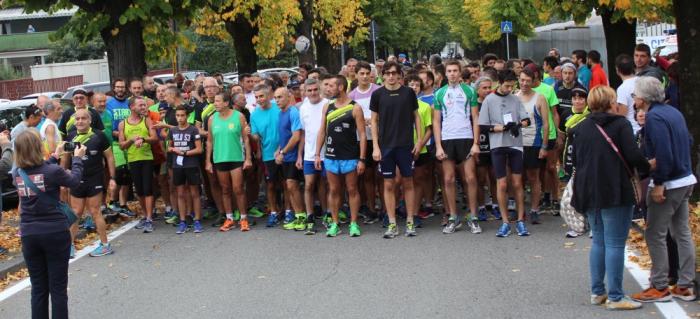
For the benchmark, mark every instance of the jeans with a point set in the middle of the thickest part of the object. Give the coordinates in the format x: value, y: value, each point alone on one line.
x: 610, y: 227
x: 47, y: 261
x: 671, y: 215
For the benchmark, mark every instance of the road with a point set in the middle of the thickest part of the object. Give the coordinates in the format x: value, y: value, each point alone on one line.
x: 272, y: 273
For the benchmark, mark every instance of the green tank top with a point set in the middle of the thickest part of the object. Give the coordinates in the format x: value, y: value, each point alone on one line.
x: 135, y: 154
x: 227, y: 138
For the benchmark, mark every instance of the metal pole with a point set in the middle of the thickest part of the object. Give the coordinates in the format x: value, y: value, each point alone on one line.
x: 342, y: 54
x: 507, y: 47
x: 374, y: 44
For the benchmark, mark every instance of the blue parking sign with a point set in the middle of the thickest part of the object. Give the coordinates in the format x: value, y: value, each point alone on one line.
x: 506, y: 27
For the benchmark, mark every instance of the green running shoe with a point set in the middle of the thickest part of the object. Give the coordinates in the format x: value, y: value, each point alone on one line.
x: 342, y: 217
x: 236, y: 215
x: 292, y: 225
x: 172, y: 219
x: 300, y: 224
x: 333, y: 230
x: 354, y: 230
x: 210, y: 214
x: 255, y: 212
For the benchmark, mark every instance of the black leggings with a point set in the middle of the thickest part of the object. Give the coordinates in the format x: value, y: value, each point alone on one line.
x: 47, y: 261
x: 142, y: 175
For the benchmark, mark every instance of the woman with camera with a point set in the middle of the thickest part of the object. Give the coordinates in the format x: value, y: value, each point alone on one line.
x: 44, y: 226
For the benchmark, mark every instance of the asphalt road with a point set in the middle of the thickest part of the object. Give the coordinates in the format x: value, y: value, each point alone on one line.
x: 272, y: 273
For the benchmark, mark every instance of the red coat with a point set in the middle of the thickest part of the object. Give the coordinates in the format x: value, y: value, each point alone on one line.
x: 598, y: 76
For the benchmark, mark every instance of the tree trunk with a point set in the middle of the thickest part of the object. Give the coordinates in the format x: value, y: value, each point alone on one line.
x: 242, y: 33
x: 326, y: 55
x: 304, y: 28
x: 125, y: 51
x: 687, y: 14
x: 620, y: 37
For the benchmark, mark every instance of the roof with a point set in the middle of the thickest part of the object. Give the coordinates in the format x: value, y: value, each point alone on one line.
x: 19, y: 14
x: 593, y: 20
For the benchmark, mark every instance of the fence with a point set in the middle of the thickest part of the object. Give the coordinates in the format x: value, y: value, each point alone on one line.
x: 15, y: 89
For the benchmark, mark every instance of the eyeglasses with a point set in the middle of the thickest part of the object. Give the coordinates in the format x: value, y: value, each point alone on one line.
x: 391, y: 73
x: 78, y: 97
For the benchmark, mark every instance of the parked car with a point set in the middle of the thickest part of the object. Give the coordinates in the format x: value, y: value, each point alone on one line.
x: 11, y: 112
x: 50, y: 94
x: 189, y: 75
x: 102, y: 87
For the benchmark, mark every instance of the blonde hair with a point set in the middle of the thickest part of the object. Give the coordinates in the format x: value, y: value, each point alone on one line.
x: 28, y: 149
x: 601, y: 98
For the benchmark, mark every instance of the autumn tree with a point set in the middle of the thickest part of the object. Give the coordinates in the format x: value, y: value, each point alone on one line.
x: 337, y: 22
x: 132, y: 30
x: 619, y: 21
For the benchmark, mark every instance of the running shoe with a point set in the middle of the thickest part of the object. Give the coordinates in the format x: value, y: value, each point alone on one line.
x: 300, y: 224
x: 155, y: 215
x: 411, y: 230
x: 453, y: 225
x: 289, y: 217
x: 255, y: 212
x: 219, y: 221
x: 496, y: 213
x: 170, y: 214
x: 504, y: 230
x: 210, y: 214
x: 572, y: 234
x: 623, y: 304
x: 652, y: 294
x: 333, y: 230
x: 236, y: 215
x: 426, y: 213
x: 597, y: 300
x: 148, y: 227
x: 391, y: 231
x: 370, y: 218
x: 310, y: 227
x: 685, y: 294
x: 535, y: 217
x: 181, y: 228
x: 342, y: 217
x: 521, y: 229
x: 228, y: 225
x: 292, y: 225
x: 198, y: 227
x: 102, y: 250
x: 474, y: 227
x: 272, y: 220
x: 72, y: 251
x: 126, y: 212
x: 244, y: 225
x: 556, y: 207
x: 173, y: 219
x: 108, y: 212
x: 326, y: 220
x: 354, y: 230
x: 482, y: 214
x: 89, y: 224
x: 141, y: 224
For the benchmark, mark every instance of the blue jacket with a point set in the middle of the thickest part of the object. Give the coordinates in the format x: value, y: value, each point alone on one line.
x: 667, y: 140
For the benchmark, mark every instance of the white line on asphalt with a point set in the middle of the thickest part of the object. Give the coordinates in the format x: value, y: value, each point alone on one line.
x: 671, y: 309
x: 25, y: 283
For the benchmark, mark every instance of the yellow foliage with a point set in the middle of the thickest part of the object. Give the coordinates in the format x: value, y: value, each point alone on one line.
x: 341, y: 21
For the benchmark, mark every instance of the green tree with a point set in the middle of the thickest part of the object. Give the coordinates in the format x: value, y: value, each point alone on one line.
x: 211, y: 54
x: 70, y: 48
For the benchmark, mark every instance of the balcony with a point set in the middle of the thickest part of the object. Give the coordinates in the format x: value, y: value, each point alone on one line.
x: 24, y: 41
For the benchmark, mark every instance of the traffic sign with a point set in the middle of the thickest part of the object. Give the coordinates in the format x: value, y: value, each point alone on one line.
x: 506, y: 27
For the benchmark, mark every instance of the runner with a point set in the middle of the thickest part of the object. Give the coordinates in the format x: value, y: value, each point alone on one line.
x: 624, y: 66
x: 211, y: 185
x: 228, y: 154
x: 136, y: 134
x: 362, y: 95
x: 502, y: 115
x: 88, y: 195
x: 49, y: 129
x: 484, y: 169
x: 311, y: 114
x: 342, y: 124
x: 80, y: 101
x: 534, y: 138
x: 118, y: 109
x: 263, y: 127
x: 252, y: 176
x: 455, y: 123
x: 394, y: 112
x: 289, y: 158
x: 423, y: 160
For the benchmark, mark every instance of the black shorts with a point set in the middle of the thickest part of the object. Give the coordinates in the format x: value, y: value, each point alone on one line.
x: 369, y: 160
x: 142, y: 173
x: 484, y: 159
x: 186, y: 175
x: 89, y: 186
x: 457, y: 150
x: 227, y: 166
x: 290, y: 171
x: 397, y: 156
x: 504, y: 157
x: 122, y: 176
x: 273, y: 171
x: 531, y: 158
x: 423, y: 159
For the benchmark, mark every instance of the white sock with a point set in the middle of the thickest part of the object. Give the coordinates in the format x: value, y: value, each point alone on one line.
x: 229, y: 216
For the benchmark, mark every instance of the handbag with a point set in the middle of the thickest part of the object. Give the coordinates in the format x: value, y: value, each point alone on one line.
x: 64, y: 208
x: 634, y: 179
x: 575, y: 220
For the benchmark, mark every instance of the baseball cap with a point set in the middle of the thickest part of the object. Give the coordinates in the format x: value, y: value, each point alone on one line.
x: 401, y: 55
x: 579, y: 91
x: 293, y: 84
x: 80, y: 91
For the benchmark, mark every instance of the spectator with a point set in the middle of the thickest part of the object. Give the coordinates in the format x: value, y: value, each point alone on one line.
x: 598, y: 76
x: 45, y: 236
x: 642, y: 63
x: 489, y: 59
x: 667, y: 145
x: 624, y: 66
x: 555, y: 53
x: 607, y: 199
x: 673, y: 94
x: 5, y: 167
x: 578, y: 57
x: 32, y: 117
x: 548, y: 65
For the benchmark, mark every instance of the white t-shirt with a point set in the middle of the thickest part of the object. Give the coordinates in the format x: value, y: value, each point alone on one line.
x: 48, y: 122
x: 624, y: 96
x: 311, y: 116
x: 456, y: 115
x: 362, y: 98
x: 250, y: 102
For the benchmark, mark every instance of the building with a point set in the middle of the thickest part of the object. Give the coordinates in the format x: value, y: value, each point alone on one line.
x: 24, y: 37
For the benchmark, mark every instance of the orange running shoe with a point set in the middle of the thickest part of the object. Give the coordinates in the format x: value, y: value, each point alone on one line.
x: 228, y: 225
x: 244, y: 225
x: 652, y: 294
